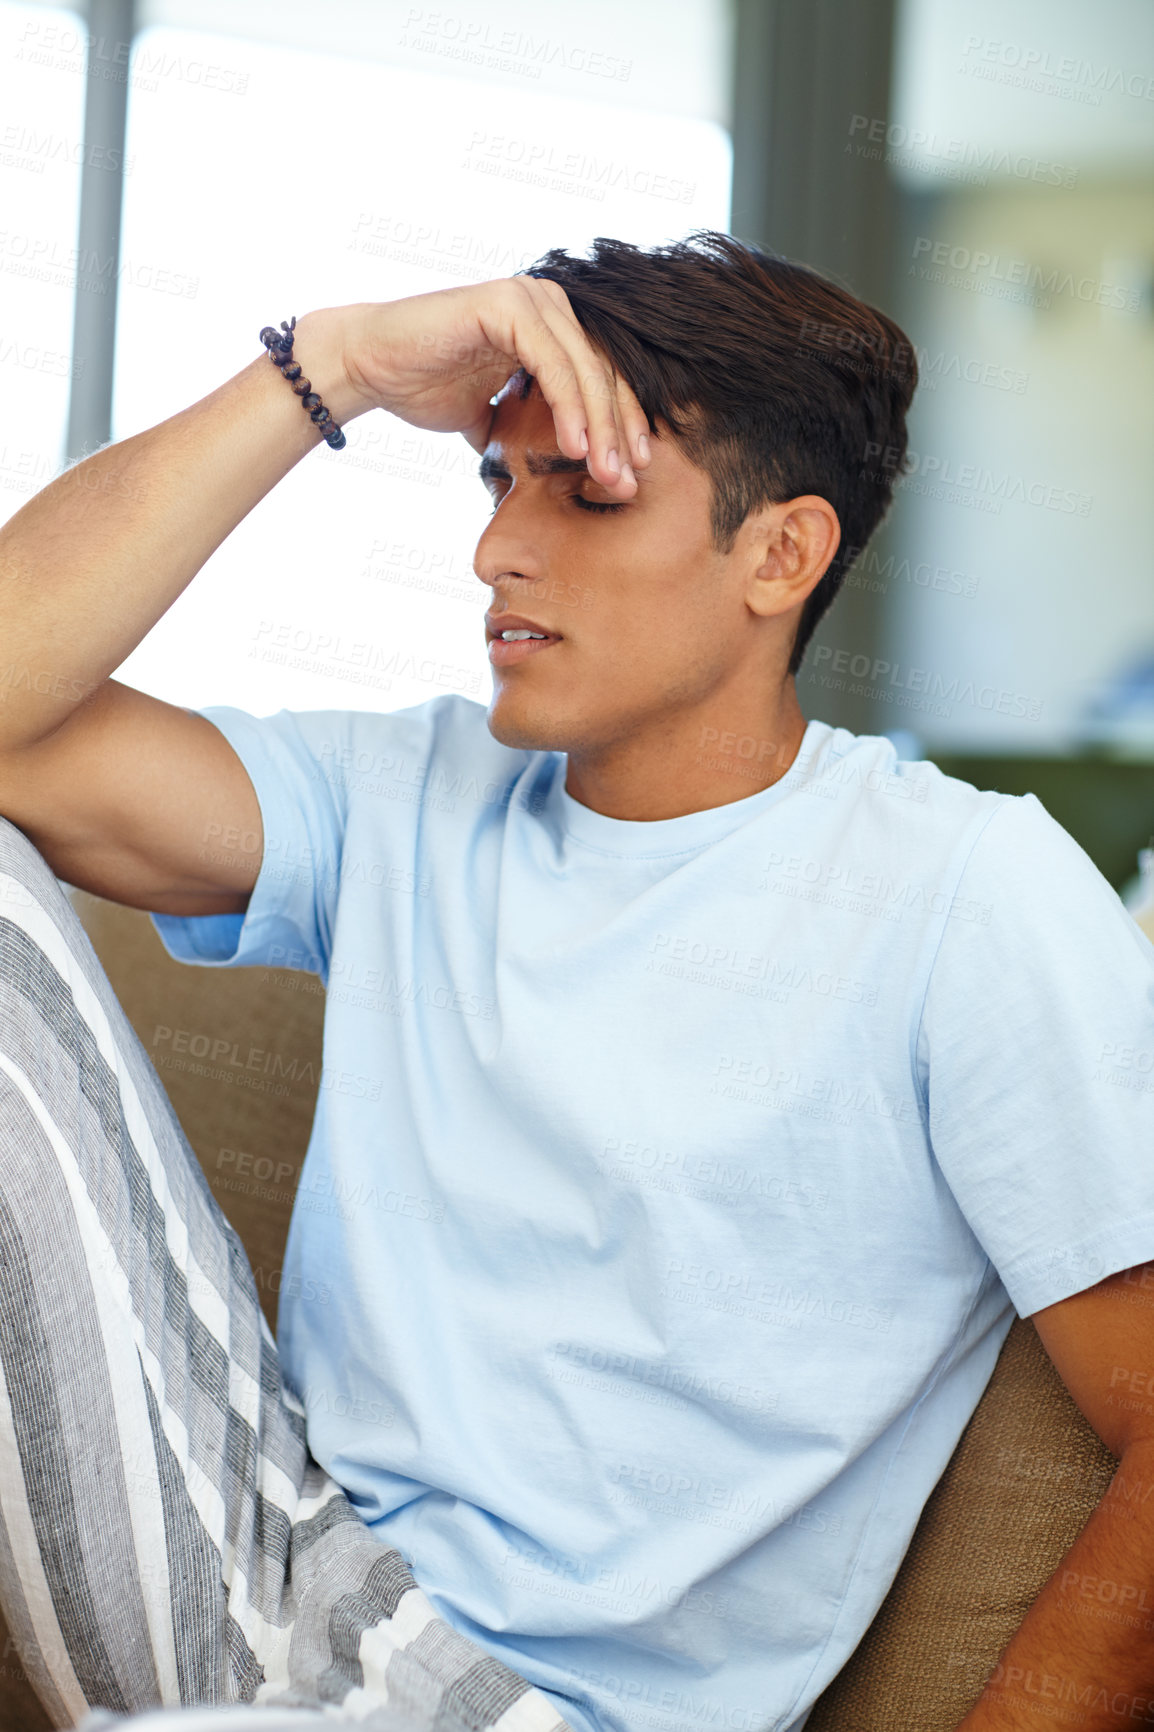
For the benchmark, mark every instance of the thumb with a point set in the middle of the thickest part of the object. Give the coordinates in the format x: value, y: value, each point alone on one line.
x: 477, y: 432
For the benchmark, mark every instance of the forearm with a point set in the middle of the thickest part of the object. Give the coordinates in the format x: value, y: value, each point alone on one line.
x: 1084, y: 1653
x: 90, y: 564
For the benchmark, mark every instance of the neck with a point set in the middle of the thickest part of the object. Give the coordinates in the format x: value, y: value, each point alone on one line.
x: 690, y: 763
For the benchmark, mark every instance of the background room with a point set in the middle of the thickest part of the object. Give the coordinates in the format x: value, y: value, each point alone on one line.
x: 174, y: 176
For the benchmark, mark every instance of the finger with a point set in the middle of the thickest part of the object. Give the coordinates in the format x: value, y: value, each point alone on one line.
x: 630, y: 448
x: 543, y: 345
x: 631, y: 421
x: 613, y: 418
x: 634, y: 425
x: 630, y: 437
x: 478, y: 432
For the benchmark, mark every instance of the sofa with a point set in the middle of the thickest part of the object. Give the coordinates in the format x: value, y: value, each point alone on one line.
x: 1026, y: 1474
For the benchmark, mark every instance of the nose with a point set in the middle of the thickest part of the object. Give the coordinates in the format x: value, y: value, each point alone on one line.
x: 507, y: 548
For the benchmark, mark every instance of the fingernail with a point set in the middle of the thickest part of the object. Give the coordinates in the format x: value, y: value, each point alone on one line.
x: 584, y: 440
x: 613, y: 462
x: 627, y: 474
x: 643, y: 447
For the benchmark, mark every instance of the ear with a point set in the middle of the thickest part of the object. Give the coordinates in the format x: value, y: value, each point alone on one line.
x: 793, y: 544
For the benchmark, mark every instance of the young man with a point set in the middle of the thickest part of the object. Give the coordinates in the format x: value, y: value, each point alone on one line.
x: 739, y: 1081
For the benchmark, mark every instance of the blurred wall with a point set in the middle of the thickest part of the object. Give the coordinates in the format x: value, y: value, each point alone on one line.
x: 984, y: 173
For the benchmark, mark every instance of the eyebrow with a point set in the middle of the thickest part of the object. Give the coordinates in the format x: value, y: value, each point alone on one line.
x: 536, y: 462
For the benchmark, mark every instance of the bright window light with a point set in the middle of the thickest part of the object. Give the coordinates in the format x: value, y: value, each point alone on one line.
x: 268, y: 181
x: 41, y: 152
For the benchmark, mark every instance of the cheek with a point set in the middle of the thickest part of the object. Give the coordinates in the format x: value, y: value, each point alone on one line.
x: 640, y: 591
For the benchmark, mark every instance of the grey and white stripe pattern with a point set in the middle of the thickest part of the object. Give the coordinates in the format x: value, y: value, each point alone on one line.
x: 165, y: 1536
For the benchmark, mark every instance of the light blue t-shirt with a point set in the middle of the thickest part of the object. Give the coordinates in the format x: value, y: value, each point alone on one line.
x: 673, y: 1185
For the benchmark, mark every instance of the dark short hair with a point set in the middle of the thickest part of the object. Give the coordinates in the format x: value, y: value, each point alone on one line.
x: 774, y: 380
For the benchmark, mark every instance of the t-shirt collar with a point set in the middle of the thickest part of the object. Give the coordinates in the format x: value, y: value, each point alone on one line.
x: 657, y: 836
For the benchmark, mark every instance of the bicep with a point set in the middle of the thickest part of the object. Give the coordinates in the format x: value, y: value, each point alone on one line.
x: 141, y: 802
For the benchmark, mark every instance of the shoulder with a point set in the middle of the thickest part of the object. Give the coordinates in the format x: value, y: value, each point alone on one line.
x: 889, y: 802
x: 385, y: 742
x: 996, y: 858
x: 438, y: 756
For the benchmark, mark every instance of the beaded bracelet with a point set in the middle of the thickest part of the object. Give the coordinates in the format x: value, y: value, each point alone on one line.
x: 280, y: 353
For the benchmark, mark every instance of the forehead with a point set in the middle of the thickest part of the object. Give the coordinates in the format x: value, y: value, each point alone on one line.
x: 523, y: 438
x: 518, y: 408
x: 524, y: 422
x: 523, y: 432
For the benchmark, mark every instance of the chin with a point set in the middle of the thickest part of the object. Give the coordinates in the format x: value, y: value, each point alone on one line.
x: 525, y: 728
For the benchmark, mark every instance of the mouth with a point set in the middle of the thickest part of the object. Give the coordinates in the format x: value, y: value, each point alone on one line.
x: 504, y: 652
x: 503, y: 655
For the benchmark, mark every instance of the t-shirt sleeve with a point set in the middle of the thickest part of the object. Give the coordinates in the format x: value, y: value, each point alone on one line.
x: 1036, y: 1055
x: 289, y: 919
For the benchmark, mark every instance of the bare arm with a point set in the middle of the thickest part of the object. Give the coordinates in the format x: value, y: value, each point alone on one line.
x: 90, y: 564
x: 119, y: 791
x: 1085, y: 1642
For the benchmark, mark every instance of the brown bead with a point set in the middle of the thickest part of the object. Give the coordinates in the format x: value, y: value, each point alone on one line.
x: 320, y: 414
x: 302, y: 386
x: 310, y: 400
x: 293, y: 371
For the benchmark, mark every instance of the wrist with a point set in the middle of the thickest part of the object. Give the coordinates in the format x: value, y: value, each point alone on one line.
x: 324, y: 343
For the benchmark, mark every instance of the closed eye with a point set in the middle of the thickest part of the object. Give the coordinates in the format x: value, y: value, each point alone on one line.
x: 582, y: 504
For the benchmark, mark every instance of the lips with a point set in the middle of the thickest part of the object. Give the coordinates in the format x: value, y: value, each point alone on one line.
x: 503, y: 654
x: 495, y: 624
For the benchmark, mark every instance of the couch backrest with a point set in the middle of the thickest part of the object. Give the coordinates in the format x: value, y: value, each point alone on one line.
x: 239, y: 1052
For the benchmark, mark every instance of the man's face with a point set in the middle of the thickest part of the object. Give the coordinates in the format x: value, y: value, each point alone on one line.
x: 650, y: 620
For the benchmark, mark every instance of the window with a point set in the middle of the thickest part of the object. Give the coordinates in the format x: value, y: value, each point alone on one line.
x: 41, y: 151
x: 268, y: 179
